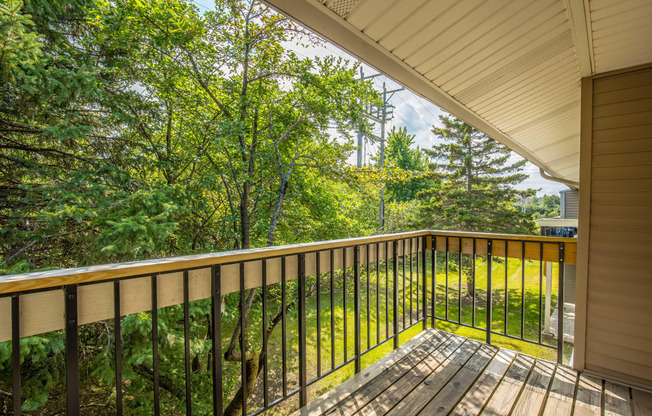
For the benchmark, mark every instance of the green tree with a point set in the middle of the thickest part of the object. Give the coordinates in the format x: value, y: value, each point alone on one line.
x: 548, y: 206
x: 477, y: 182
x: 476, y: 192
x: 401, y: 150
x: 132, y: 130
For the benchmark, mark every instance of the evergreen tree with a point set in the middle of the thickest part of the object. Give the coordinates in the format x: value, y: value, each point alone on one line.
x: 477, y: 183
x: 401, y: 151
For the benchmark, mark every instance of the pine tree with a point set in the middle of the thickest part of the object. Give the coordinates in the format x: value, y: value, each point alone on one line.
x: 477, y: 183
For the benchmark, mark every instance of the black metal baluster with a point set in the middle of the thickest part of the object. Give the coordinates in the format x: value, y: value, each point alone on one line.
x: 356, y: 304
x: 446, y: 287
x: 216, y: 311
x: 489, y: 294
x: 72, y: 350
x: 459, y: 283
x: 540, y: 288
x: 346, y: 329
x: 117, y: 335
x: 243, y: 340
x: 332, y: 282
x: 404, y: 278
x: 284, y: 351
x: 506, y: 310
x: 378, y: 293
x: 15, y: 351
x: 318, y: 288
x: 433, y: 322
x: 523, y: 290
x: 386, y: 290
x: 265, y: 346
x: 368, y: 303
x: 155, y: 369
x: 303, y: 390
x: 474, y: 283
x: 424, y: 302
x: 560, y: 306
x: 186, y: 341
x: 411, y: 285
x: 395, y: 296
x: 417, y: 280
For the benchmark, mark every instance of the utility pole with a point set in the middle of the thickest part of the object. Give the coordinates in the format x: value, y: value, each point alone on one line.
x: 360, y: 129
x: 381, y: 209
x: 381, y: 114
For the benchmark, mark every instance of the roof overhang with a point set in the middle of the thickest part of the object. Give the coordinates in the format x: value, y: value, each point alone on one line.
x: 510, y: 68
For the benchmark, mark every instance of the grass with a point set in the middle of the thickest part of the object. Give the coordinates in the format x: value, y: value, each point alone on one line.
x: 371, y: 328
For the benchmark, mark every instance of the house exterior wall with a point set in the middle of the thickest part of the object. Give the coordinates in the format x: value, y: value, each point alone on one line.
x: 570, y: 204
x: 614, y: 305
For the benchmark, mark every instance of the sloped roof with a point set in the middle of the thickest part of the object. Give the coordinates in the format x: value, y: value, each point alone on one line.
x: 512, y: 68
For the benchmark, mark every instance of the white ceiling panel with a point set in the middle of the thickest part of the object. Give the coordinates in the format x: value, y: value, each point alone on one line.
x: 512, y: 68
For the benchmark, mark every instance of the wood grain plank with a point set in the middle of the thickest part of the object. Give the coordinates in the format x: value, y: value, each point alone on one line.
x: 481, y: 391
x: 384, y: 403
x: 534, y: 393
x: 510, y: 386
x: 342, y: 391
x: 412, y: 403
x: 616, y: 400
x: 388, y: 377
x: 589, y: 396
x: 642, y: 402
x: 448, y: 396
x: 562, y: 391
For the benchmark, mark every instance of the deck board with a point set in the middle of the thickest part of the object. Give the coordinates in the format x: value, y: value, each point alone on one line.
x: 616, y: 400
x: 438, y: 373
x: 642, y: 402
x: 412, y: 403
x: 589, y: 396
x: 510, y: 386
x: 478, y: 395
x: 389, y: 377
x: 562, y: 391
x: 448, y: 396
x: 534, y: 393
x: 385, y: 402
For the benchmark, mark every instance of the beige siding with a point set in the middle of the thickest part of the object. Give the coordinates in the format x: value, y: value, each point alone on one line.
x: 619, y: 285
x: 570, y: 204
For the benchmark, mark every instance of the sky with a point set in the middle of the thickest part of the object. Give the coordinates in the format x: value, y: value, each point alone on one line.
x: 419, y: 115
x: 411, y: 111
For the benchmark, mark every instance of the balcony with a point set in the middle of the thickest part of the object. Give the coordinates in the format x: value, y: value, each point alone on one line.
x: 359, y: 308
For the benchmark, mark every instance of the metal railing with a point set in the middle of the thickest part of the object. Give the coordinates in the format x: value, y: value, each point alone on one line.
x: 391, y: 281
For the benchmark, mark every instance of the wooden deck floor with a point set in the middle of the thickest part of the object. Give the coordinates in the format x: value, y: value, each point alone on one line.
x: 438, y: 373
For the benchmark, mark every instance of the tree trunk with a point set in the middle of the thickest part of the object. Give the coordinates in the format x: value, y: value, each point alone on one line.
x: 253, y: 369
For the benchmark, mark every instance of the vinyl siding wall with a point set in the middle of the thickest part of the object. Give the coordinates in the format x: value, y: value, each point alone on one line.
x: 618, y: 283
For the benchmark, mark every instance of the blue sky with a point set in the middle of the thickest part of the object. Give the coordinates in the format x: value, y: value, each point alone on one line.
x: 411, y: 111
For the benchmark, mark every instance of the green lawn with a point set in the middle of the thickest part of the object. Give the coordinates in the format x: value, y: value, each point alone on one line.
x: 377, y: 320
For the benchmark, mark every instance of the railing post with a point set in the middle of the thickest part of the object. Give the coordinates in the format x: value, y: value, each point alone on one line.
x: 243, y: 340
x: 15, y: 351
x: 356, y: 304
x: 433, y: 241
x: 424, y: 294
x: 155, y: 364
x: 186, y: 342
x: 560, y: 307
x: 489, y: 294
x: 216, y: 311
x: 303, y: 392
x: 72, y: 350
x: 117, y: 330
x: 395, y: 297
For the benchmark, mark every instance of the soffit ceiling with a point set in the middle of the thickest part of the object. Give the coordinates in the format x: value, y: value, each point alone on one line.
x: 512, y: 68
